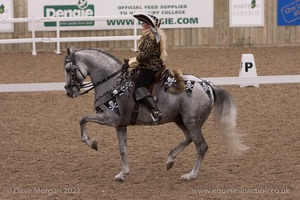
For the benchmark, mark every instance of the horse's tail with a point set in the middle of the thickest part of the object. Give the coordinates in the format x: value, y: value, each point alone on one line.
x: 225, y: 118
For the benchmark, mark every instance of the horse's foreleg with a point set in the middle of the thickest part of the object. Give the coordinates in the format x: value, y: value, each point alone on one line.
x: 85, y: 138
x: 102, y: 118
x: 122, y: 138
x: 201, y: 148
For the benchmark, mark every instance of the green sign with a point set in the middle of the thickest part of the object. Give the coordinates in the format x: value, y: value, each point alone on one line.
x: 1, y: 9
x: 69, y: 11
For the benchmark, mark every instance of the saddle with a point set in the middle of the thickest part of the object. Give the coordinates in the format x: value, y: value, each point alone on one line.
x: 162, y: 75
x: 165, y: 75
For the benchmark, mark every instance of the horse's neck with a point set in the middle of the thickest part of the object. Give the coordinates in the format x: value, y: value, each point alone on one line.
x: 100, y: 73
x: 100, y: 66
x: 100, y: 69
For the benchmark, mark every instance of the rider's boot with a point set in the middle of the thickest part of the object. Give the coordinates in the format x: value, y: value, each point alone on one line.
x: 143, y: 94
x: 156, y: 115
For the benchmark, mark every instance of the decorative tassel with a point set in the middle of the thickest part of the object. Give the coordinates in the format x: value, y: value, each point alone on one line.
x: 157, y: 36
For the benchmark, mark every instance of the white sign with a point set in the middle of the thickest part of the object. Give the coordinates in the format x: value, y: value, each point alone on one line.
x: 176, y: 13
x: 6, y: 11
x: 246, y: 13
x: 248, y: 69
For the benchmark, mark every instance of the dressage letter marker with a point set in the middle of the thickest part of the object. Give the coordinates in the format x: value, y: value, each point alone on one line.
x: 248, y: 69
x: 248, y: 65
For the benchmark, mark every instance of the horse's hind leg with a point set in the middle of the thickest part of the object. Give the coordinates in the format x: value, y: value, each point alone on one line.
x: 174, y: 152
x: 201, y: 148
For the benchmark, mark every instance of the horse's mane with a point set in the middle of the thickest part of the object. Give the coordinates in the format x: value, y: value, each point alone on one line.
x: 102, y: 52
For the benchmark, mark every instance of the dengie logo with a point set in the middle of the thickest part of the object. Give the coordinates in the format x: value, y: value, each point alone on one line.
x: 82, y: 9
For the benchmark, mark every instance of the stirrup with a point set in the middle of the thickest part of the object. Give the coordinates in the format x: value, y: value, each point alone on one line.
x: 156, y: 116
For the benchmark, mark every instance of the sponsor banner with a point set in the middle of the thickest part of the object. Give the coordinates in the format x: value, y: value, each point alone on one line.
x: 246, y: 13
x: 6, y: 12
x: 288, y: 13
x: 176, y: 13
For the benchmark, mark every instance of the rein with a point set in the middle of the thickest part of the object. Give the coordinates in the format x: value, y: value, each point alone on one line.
x: 93, y: 85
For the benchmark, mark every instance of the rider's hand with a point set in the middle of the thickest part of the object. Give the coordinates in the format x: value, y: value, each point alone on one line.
x: 133, y: 63
x: 126, y: 65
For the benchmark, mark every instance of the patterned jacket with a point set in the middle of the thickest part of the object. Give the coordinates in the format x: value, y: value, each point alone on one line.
x: 149, y: 52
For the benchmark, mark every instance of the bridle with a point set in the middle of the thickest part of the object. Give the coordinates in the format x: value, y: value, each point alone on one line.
x: 75, y: 83
x: 90, y: 85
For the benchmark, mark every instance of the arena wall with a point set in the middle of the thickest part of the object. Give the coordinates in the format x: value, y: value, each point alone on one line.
x: 219, y: 36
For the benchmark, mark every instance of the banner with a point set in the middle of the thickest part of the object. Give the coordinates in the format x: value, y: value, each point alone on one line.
x: 246, y: 13
x: 175, y: 13
x: 6, y: 11
x: 288, y: 13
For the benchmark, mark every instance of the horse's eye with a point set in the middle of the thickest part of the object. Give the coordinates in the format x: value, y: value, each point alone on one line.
x: 68, y: 67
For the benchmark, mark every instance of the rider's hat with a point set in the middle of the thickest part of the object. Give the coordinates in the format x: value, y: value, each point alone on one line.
x: 148, y: 19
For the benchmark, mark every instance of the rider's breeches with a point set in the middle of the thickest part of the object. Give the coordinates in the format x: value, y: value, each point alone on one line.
x: 145, y: 79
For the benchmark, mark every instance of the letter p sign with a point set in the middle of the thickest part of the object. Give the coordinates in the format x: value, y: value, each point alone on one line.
x: 248, y: 69
x: 248, y: 65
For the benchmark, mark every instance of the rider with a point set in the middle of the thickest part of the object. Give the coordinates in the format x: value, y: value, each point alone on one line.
x: 149, y: 61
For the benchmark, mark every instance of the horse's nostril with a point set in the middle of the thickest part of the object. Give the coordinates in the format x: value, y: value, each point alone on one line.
x: 69, y: 94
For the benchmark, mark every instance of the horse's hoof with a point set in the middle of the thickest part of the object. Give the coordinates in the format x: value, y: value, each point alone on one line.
x: 94, y: 145
x: 119, y: 179
x: 187, y: 177
x: 169, y: 165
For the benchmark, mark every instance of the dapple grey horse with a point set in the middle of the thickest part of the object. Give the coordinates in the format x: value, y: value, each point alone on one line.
x: 114, y: 103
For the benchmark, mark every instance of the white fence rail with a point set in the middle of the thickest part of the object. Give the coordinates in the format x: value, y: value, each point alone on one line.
x: 39, y: 87
x: 59, y: 39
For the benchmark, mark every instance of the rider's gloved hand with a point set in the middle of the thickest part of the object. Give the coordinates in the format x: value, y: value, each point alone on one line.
x: 126, y: 64
x: 133, y: 63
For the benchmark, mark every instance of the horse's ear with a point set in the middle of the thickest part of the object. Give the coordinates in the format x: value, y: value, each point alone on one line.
x: 72, y: 50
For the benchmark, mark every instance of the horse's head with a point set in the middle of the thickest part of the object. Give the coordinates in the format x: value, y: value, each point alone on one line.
x: 74, y: 74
